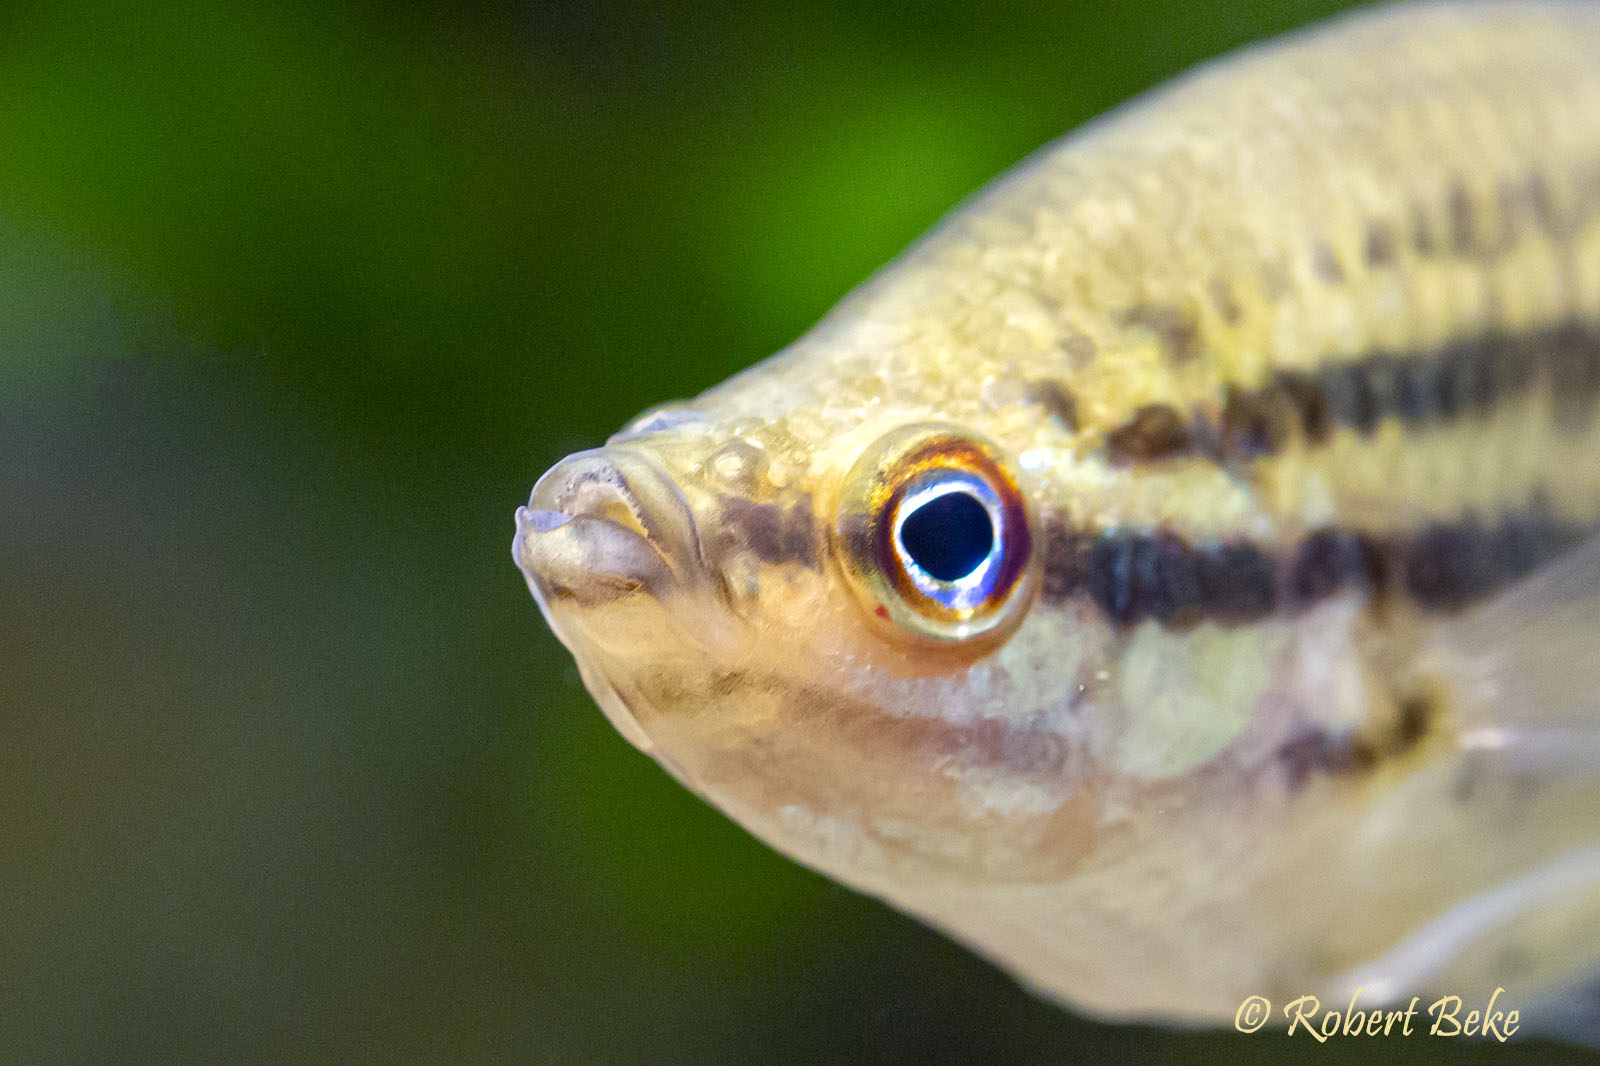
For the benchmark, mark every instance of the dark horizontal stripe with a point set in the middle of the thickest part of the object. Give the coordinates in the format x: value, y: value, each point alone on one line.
x: 1523, y: 208
x: 1175, y: 328
x: 1138, y: 575
x: 1448, y: 565
x: 1469, y: 376
x: 1057, y: 401
x: 1154, y: 431
x: 1463, y: 225
x: 1314, y: 751
x: 1468, y: 220
x: 771, y: 532
x: 1324, y: 752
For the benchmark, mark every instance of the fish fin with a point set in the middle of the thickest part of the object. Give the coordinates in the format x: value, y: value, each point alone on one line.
x: 1503, y: 805
x: 1524, y: 668
x: 1563, y: 890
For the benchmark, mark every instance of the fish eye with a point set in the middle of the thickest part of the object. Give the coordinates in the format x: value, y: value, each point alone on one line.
x: 934, y: 535
x: 944, y: 532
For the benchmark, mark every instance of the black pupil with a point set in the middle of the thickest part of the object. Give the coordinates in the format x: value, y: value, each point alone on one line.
x: 948, y: 536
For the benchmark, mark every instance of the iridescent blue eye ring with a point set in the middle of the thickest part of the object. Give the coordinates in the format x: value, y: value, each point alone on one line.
x: 948, y: 532
x: 935, y: 536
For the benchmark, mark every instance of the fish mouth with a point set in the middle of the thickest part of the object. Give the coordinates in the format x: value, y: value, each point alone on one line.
x: 603, y: 525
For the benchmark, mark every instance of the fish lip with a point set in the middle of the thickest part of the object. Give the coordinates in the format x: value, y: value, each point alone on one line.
x: 603, y: 523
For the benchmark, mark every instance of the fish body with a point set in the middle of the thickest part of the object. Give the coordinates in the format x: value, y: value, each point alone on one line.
x: 1176, y: 576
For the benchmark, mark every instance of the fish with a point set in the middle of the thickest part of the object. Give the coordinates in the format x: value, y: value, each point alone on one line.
x: 1177, y: 576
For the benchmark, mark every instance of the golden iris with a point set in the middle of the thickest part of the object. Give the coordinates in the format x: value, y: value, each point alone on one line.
x: 934, y: 535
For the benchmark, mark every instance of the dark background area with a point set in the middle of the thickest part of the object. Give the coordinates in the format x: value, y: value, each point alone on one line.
x: 296, y: 302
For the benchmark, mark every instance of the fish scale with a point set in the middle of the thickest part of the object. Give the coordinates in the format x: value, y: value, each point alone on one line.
x: 1274, y: 393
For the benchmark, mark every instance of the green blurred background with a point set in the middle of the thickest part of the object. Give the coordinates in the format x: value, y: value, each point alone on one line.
x: 296, y: 302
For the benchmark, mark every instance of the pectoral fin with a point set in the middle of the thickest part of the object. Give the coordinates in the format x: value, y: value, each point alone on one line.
x: 1490, y: 837
x: 1524, y: 669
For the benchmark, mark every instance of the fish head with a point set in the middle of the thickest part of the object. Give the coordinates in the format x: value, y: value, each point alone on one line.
x: 825, y: 624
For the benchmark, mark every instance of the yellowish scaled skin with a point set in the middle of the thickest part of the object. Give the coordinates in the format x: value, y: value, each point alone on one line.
x: 1142, y: 818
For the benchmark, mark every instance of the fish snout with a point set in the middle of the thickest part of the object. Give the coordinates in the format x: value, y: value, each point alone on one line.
x: 604, y: 524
